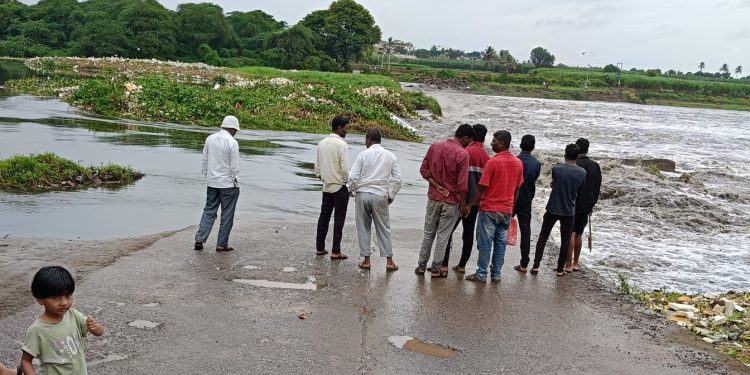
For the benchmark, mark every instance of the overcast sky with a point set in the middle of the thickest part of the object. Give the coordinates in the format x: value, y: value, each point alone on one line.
x: 662, y: 34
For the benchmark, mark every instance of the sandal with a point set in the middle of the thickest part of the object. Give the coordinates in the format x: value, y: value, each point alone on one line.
x: 321, y: 252
x: 520, y: 269
x: 364, y: 266
x: 391, y: 268
x: 560, y: 273
x: 439, y: 275
x: 420, y: 270
x: 338, y: 256
x: 224, y: 248
x: 534, y: 271
x: 459, y: 269
x: 476, y: 278
x: 576, y: 269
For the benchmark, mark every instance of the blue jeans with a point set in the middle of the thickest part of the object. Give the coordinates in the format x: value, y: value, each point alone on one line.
x: 492, y: 227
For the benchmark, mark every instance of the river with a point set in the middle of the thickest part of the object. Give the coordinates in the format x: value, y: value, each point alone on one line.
x: 658, y: 232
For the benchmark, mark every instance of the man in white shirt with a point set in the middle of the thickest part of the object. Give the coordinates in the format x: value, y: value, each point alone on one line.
x: 375, y: 178
x: 221, y: 166
x: 332, y: 167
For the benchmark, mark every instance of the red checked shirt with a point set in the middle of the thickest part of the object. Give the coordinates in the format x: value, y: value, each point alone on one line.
x: 503, y: 174
x: 446, y: 162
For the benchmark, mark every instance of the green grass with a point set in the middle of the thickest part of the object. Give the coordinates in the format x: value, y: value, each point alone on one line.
x: 306, y: 104
x: 49, y: 171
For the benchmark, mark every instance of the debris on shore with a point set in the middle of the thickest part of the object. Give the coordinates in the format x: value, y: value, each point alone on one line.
x: 719, y: 319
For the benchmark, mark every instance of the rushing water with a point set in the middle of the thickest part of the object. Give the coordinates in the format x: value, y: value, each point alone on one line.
x: 660, y: 232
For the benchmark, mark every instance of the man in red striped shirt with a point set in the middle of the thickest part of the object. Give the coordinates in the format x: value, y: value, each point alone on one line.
x: 498, y: 190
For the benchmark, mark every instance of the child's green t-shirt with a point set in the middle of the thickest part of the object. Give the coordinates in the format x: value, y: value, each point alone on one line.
x: 58, y: 346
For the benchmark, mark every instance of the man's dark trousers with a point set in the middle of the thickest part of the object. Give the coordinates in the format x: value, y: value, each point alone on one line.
x: 337, y: 202
x: 566, y: 231
x: 469, y: 222
x: 524, y: 226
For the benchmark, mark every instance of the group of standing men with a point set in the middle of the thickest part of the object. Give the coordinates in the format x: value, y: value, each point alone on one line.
x: 466, y: 186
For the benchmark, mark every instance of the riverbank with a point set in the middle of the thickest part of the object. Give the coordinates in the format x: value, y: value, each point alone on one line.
x: 546, y: 324
x: 569, y: 84
x: 198, y: 94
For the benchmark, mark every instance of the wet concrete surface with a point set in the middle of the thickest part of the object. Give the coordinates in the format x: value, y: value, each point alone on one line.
x: 207, y: 323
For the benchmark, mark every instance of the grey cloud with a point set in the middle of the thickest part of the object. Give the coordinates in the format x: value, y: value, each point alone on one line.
x: 570, y: 24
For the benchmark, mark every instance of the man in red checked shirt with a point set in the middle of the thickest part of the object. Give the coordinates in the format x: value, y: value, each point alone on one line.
x: 446, y: 168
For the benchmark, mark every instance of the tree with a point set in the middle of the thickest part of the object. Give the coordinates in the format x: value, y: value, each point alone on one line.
x: 348, y: 30
x: 738, y: 70
x: 724, y: 68
x: 151, y: 30
x: 702, y: 66
x: 611, y: 68
x: 100, y: 37
x: 489, y: 56
x: 540, y: 57
x: 294, y: 48
x: 506, y: 61
x: 201, y: 24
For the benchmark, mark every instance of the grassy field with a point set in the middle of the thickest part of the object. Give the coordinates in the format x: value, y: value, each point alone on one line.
x: 49, y: 171
x: 262, y: 98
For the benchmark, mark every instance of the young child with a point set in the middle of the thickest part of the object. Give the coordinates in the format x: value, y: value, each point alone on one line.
x: 55, y: 337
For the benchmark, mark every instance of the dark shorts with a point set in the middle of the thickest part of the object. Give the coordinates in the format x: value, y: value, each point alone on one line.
x: 579, y: 223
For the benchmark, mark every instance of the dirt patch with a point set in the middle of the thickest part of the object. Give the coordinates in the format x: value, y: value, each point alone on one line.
x: 20, y: 258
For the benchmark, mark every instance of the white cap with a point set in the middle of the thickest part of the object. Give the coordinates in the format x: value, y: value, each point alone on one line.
x: 231, y: 122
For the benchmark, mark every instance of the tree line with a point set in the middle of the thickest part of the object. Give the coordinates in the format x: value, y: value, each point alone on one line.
x: 195, y: 32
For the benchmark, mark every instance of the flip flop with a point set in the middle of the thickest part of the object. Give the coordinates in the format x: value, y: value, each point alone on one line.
x: 391, y: 269
x: 321, y: 252
x: 576, y: 269
x: 560, y: 274
x: 226, y: 248
x: 534, y: 271
x: 419, y: 270
x: 520, y: 269
x: 339, y: 256
x: 364, y: 266
x: 459, y: 269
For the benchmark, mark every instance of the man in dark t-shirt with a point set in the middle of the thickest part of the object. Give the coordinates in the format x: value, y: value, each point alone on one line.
x: 585, y: 203
x: 522, y: 207
x: 567, y: 180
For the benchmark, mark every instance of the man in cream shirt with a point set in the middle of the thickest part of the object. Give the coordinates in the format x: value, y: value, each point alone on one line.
x: 332, y: 167
x: 221, y: 166
x: 376, y: 179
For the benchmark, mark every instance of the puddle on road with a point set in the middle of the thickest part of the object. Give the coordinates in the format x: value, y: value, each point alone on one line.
x: 143, y: 324
x: 310, y: 285
x: 418, y: 346
x: 288, y: 269
x: 251, y: 267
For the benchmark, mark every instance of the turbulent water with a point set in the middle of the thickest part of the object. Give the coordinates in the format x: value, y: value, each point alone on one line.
x: 686, y: 231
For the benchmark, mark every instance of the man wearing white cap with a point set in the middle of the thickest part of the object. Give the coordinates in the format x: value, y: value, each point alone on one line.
x: 221, y: 166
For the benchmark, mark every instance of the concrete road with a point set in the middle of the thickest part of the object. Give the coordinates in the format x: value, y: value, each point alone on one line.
x: 210, y: 323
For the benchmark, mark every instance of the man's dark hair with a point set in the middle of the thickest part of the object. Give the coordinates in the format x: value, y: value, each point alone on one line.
x: 373, y: 134
x: 465, y: 130
x: 571, y: 152
x: 480, y: 131
x: 52, y: 281
x: 583, y: 145
x: 339, y: 122
x: 504, y: 137
x: 528, y: 142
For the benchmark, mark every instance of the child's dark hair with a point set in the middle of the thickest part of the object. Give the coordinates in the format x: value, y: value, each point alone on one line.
x: 52, y: 281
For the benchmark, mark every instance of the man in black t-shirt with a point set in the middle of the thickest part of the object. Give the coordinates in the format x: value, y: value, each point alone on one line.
x: 567, y: 180
x: 585, y: 203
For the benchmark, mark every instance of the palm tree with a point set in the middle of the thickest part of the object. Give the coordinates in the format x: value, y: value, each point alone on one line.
x: 724, y: 68
x: 389, y: 49
x: 507, y: 61
x: 489, y: 55
x: 702, y: 66
x: 738, y: 70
